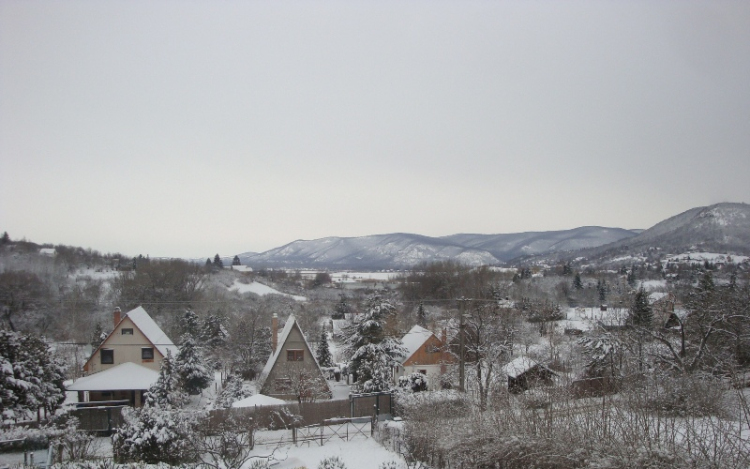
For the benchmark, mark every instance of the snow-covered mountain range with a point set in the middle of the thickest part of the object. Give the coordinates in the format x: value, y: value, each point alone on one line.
x: 403, y: 250
x: 721, y: 228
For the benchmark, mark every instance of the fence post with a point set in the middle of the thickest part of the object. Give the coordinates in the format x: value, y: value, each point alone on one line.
x: 321, y: 434
x: 294, y: 435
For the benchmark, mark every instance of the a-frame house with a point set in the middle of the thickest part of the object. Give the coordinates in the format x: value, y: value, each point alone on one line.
x: 292, y: 372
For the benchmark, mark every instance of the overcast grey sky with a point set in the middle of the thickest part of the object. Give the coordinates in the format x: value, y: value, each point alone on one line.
x: 186, y: 128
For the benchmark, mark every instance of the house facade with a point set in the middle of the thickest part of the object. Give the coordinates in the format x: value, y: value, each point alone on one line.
x: 136, y: 338
x: 292, y: 372
x: 426, y: 354
x: 126, y: 363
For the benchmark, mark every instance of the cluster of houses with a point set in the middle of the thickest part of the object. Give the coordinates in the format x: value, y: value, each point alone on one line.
x: 125, y: 365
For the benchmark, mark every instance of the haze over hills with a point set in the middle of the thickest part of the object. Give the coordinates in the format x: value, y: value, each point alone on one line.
x: 403, y: 250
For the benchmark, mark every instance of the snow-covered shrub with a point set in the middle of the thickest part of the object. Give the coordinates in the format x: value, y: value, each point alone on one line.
x: 24, y: 438
x: 260, y: 464
x: 155, y: 435
x: 414, y: 382
x: 233, y: 391
x: 390, y: 465
x: 226, y: 443
x: 333, y: 462
x: 71, y: 443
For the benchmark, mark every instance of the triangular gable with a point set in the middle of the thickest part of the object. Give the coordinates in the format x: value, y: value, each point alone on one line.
x: 152, y: 331
x: 273, y: 360
x: 156, y: 337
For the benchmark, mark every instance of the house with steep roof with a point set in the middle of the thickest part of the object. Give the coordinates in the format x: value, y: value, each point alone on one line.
x: 426, y: 354
x: 136, y: 338
x: 127, y: 362
x: 292, y: 371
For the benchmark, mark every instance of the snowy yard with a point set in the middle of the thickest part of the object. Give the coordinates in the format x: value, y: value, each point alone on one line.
x: 261, y: 290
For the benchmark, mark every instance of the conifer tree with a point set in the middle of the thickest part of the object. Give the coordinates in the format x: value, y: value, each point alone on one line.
x: 374, y: 347
x: 421, y: 315
x: 190, y: 324
x: 193, y: 371
x: 577, y: 283
x: 166, y: 392
x: 236, y: 260
x: 323, y: 353
x: 640, y: 312
x: 218, y: 262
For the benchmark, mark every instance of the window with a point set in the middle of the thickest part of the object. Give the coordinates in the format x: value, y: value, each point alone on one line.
x: 147, y: 353
x: 295, y: 355
x: 283, y: 384
x: 128, y: 331
x: 424, y: 372
x: 108, y: 356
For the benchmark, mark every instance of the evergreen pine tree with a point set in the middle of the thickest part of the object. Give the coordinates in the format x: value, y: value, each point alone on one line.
x: 97, y: 337
x: 190, y: 324
x: 421, y: 315
x: 194, y: 374
x: 166, y: 393
x: 208, y: 262
x: 602, y: 288
x: 5, y: 238
x: 577, y: 283
x: 218, y: 262
x: 236, y: 260
x: 374, y: 347
x: 323, y: 353
x: 641, y: 313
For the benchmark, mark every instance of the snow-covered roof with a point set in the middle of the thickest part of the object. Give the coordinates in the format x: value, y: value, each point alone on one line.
x: 127, y: 376
x: 152, y: 331
x: 415, y: 338
x: 519, y: 366
x: 258, y: 400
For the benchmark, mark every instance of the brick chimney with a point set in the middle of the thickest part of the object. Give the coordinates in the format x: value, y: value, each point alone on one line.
x: 444, y: 336
x: 274, y: 332
x: 117, y: 316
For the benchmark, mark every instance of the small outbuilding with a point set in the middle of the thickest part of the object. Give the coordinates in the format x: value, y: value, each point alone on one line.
x: 525, y: 373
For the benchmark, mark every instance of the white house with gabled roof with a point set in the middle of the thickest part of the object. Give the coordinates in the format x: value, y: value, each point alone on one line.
x: 136, y: 338
x: 127, y: 362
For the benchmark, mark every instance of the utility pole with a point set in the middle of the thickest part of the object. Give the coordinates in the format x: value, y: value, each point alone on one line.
x: 461, y: 345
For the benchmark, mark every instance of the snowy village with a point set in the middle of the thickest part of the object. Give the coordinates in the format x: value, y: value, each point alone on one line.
x: 638, y: 361
x: 374, y: 234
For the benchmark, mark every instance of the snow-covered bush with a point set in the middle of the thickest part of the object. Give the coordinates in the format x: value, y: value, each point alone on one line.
x: 333, y: 462
x: 414, y: 382
x: 154, y: 435
x: 233, y: 391
x: 71, y: 443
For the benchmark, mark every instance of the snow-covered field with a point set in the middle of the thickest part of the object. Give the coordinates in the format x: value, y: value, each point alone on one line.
x: 260, y: 289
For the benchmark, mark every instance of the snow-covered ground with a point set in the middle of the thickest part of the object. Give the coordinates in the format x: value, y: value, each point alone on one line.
x: 700, y: 257
x: 585, y: 319
x: 359, y: 453
x: 260, y: 289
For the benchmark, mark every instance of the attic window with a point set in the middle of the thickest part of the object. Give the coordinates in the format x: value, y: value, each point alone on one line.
x: 128, y: 331
x: 295, y: 355
x: 147, y: 353
x: 108, y: 356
